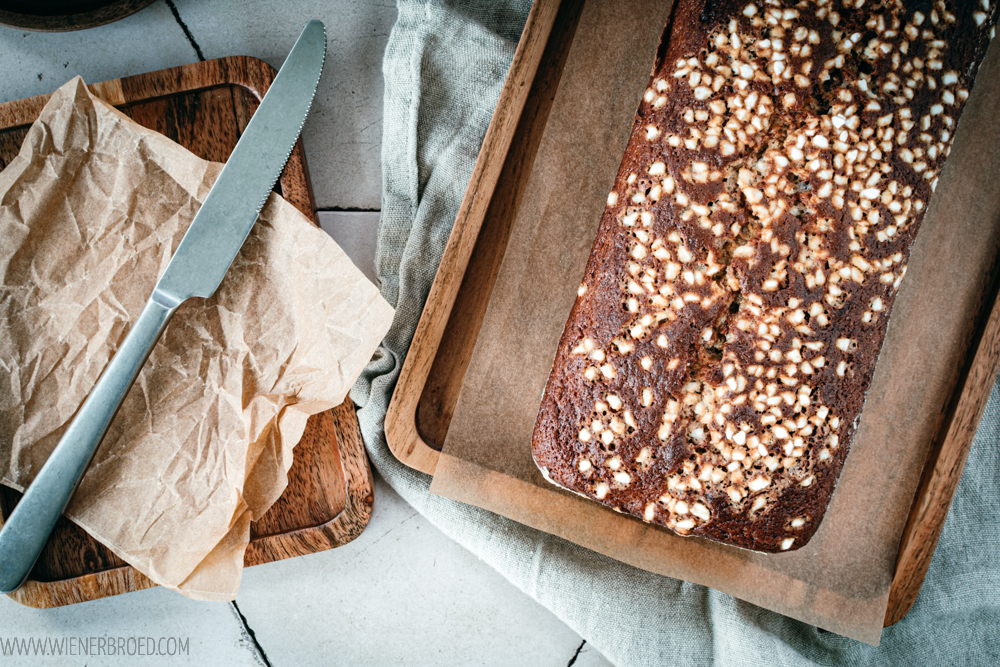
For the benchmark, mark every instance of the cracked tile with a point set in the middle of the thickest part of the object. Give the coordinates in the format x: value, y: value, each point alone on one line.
x: 213, y: 633
x: 402, y: 593
x: 591, y: 657
x: 34, y: 63
x: 343, y: 134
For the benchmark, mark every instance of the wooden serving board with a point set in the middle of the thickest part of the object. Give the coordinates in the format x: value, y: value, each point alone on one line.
x: 205, y: 107
x: 426, y: 394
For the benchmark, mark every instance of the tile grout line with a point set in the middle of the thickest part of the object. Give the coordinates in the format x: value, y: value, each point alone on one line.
x: 577, y: 654
x: 187, y: 33
x: 349, y: 209
x: 250, y: 634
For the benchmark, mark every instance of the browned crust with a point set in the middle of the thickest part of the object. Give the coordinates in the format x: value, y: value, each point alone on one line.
x: 754, y: 253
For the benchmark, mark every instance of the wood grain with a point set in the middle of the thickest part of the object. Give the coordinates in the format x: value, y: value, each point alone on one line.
x: 945, y: 465
x: 432, y: 376
x: 401, y: 430
x: 205, y: 107
x: 440, y: 392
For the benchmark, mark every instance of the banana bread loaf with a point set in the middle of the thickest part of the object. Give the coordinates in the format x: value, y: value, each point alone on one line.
x: 715, y: 364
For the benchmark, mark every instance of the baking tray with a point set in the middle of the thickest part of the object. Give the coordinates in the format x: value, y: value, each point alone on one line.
x: 433, y: 373
x: 205, y: 107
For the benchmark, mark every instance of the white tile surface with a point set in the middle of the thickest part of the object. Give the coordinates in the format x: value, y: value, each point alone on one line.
x: 34, y: 63
x: 402, y: 593
x: 343, y: 135
x: 212, y: 630
x: 355, y: 232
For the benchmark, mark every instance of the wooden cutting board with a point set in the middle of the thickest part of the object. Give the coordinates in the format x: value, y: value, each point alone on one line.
x: 432, y: 377
x: 205, y: 107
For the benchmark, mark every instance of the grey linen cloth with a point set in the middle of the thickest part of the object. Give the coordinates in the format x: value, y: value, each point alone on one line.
x: 444, y: 67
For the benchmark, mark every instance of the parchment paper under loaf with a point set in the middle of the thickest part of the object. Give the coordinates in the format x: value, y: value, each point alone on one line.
x: 840, y: 580
x: 90, y: 212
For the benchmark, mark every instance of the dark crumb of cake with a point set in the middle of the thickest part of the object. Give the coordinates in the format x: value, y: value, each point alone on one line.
x: 715, y: 364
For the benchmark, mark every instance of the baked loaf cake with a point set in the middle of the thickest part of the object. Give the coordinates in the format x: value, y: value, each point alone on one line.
x: 716, y: 361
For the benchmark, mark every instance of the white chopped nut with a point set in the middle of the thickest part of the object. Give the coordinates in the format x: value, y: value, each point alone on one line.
x: 786, y: 543
x: 842, y: 158
x: 685, y: 525
x: 644, y: 456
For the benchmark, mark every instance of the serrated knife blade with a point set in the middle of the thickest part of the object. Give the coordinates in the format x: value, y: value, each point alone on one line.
x: 228, y: 213
x: 196, y: 269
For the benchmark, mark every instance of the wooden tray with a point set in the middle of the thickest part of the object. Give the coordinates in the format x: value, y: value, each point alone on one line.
x: 204, y: 107
x: 431, y: 379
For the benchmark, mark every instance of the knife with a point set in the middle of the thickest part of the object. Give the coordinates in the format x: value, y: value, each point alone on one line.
x: 197, y: 267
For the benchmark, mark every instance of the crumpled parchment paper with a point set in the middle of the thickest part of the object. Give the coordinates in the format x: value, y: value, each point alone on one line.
x: 91, y: 211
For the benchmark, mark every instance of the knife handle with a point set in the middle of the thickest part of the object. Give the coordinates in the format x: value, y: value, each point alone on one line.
x: 27, y: 529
